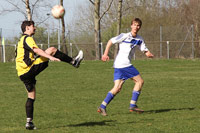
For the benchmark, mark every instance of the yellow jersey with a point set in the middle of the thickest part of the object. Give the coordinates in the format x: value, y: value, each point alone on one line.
x: 24, y: 54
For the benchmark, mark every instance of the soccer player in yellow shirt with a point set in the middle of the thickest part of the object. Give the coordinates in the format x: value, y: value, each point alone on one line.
x: 28, y: 66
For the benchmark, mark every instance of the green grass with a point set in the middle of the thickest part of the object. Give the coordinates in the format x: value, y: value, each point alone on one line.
x: 67, y: 98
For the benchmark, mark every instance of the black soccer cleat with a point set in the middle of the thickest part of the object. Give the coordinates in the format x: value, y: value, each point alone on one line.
x: 30, y: 126
x: 78, y: 59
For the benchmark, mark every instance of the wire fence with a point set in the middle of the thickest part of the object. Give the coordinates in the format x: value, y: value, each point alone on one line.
x: 164, y: 50
x: 157, y: 43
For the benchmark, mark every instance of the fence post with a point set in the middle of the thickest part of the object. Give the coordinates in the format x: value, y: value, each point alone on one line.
x: 70, y: 44
x: 48, y: 37
x: 3, y: 50
x: 58, y: 34
x: 192, y: 26
x: 41, y: 46
x: 167, y: 49
x: 160, y: 41
x: 101, y: 49
x: 1, y: 44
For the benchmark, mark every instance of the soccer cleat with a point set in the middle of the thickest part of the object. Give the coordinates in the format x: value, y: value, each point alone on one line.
x: 102, y: 111
x: 136, y: 109
x: 30, y: 126
x: 78, y: 59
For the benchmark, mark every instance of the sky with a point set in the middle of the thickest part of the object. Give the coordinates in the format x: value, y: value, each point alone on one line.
x: 10, y: 23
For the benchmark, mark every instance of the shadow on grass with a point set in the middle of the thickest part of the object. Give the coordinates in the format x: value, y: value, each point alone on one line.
x: 86, y: 124
x: 166, y: 110
x: 101, y: 123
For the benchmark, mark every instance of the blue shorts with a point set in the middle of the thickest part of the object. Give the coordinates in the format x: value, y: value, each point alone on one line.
x: 125, y: 73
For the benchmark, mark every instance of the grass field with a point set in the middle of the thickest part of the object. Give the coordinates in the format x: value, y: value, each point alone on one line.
x: 67, y: 99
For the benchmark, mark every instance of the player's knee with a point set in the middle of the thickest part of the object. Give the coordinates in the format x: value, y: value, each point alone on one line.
x: 140, y: 82
x: 30, y: 87
x: 53, y: 49
x: 116, y: 90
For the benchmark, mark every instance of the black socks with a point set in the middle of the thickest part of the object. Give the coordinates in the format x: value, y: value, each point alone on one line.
x: 29, y: 108
x: 63, y: 57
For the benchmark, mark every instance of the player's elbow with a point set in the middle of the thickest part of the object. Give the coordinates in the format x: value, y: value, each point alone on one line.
x: 36, y: 50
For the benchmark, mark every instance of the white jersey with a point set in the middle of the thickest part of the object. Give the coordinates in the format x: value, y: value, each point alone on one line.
x: 127, y: 44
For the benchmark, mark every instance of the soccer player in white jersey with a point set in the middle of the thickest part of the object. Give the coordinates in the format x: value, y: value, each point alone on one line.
x: 123, y: 69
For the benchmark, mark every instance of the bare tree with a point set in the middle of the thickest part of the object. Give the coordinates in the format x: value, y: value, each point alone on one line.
x: 190, y: 15
x: 28, y: 8
x: 63, y: 40
x: 119, y: 17
x: 97, y: 25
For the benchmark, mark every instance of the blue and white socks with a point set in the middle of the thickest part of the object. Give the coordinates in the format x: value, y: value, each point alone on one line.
x: 107, y: 100
x: 110, y: 96
x: 134, y: 98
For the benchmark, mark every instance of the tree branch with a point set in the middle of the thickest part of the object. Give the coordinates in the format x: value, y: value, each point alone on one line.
x: 24, y: 1
x: 33, y: 5
x: 14, y: 5
x: 91, y: 2
x: 16, y: 8
x: 106, y: 10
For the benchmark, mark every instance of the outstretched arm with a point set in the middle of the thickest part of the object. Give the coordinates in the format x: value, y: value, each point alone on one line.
x: 105, y: 56
x: 149, y: 54
x: 44, y: 54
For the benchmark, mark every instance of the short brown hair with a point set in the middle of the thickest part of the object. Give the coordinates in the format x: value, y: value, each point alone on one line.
x: 136, y: 20
x: 26, y: 23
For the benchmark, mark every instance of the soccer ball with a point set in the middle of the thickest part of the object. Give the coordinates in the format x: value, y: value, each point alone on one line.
x: 58, y: 11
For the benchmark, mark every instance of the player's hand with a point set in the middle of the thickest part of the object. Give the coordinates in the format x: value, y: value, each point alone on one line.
x: 149, y: 54
x: 105, y: 58
x: 54, y: 59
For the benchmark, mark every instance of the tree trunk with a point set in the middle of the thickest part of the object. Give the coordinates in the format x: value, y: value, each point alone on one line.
x: 197, y: 51
x: 97, y: 28
x: 63, y: 39
x: 119, y: 16
x: 197, y: 46
x: 28, y: 11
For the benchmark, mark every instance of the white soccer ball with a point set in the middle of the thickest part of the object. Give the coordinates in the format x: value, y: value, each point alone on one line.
x: 58, y: 11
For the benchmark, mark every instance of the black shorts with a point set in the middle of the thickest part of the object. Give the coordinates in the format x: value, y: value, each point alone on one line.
x: 29, y: 78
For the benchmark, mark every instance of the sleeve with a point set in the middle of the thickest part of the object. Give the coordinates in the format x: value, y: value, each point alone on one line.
x: 142, y: 46
x: 118, y: 38
x: 31, y: 43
